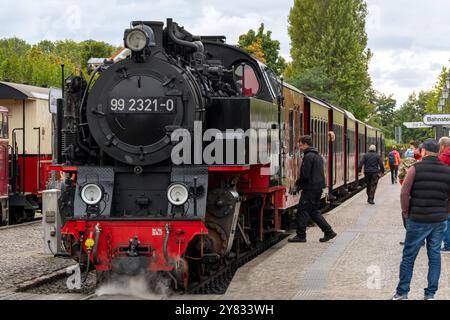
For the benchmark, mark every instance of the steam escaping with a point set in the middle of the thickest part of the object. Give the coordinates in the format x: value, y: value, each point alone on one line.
x: 145, y: 286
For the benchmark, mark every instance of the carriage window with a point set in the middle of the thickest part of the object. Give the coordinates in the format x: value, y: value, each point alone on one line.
x: 301, y: 124
x: 319, y: 140
x: 322, y: 146
x: 5, y: 126
x: 322, y: 149
x: 291, y: 132
x: 249, y: 79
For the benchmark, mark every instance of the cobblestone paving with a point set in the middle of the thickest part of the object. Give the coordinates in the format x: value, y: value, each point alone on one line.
x: 361, y: 263
x: 22, y: 258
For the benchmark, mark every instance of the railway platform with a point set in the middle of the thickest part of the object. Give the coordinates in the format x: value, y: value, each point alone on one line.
x: 362, y: 263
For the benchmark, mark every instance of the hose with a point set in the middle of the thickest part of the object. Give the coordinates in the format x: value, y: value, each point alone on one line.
x: 50, y: 247
x: 166, y: 241
x: 196, y: 46
x: 97, y: 237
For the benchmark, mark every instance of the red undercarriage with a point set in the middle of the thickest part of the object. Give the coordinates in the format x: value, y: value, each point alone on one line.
x: 115, y: 239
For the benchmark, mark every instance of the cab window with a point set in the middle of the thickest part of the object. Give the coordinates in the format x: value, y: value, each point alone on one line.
x: 245, y: 76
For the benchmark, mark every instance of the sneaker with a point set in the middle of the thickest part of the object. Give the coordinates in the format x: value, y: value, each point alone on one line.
x: 400, y: 297
x: 328, y: 236
x: 445, y: 250
x: 429, y: 298
x: 297, y: 239
x: 372, y: 202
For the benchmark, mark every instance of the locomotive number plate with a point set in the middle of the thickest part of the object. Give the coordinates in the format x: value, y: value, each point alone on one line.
x: 143, y: 105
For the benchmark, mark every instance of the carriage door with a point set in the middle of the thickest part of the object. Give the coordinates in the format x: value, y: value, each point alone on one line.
x: 346, y: 152
x: 332, y: 157
x: 307, y: 118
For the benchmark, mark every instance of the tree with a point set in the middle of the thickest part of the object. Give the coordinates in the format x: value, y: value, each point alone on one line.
x: 41, y: 64
x: 413, y: 110
x: 95, y: 49
x: 12, y: 51
x: 315, y: 82
x: 261, y: 45
x: 329, y: 41
x: 383, y: 116
x: 436, y: 93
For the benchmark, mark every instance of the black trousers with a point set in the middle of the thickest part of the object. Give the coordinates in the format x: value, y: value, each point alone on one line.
x: 394, y: 174
x: 308, y: 207
x: 372, y: 183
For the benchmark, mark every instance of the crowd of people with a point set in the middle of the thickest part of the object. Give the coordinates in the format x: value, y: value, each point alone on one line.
x: 424, y: 174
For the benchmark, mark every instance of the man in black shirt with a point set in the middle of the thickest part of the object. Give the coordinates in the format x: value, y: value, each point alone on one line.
x: 373, y: 169
x: 311, y: 183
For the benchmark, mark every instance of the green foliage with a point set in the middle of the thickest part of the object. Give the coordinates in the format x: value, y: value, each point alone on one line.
x: 92, y: 48
x: 436, y: 94
x: 329, y: 41
x: 401, y: 147
x: 261, y: 45
x: 413, y: 110
x: 315, y: 82
x: 40, y: 64
x: 383, y: 117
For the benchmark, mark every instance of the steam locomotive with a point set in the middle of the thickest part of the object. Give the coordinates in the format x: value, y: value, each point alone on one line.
x: 141, y: 192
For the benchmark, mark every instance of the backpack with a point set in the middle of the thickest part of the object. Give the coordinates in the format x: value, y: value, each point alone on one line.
x: 409, y: 153
x: 392, y: 158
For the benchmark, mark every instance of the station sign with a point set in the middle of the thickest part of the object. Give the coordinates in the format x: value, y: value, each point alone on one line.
x: 437, y: 119
x: 416, y: 125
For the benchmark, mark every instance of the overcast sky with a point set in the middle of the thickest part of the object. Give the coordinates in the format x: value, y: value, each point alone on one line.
x: 409, y: 38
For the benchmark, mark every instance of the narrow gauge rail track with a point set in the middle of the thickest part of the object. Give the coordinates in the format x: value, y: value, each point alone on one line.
x: 23, y: 224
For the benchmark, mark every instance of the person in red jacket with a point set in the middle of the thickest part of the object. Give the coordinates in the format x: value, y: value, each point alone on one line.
x: 418, y: 151
x: 394, y: 162
x: 444, y: 155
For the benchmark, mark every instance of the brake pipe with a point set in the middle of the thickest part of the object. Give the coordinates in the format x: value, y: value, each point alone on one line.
x: 97, y: 238
x: 166, y: 241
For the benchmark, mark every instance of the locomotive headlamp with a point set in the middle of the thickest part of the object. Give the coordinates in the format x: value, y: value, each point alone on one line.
x: 91, y: 194
x: 177, y: 194
x: 138, y: 38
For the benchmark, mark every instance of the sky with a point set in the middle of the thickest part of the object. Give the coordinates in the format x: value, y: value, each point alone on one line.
x: 409, y: 39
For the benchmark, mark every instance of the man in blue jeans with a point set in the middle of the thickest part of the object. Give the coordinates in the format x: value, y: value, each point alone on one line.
x: 425, y: 204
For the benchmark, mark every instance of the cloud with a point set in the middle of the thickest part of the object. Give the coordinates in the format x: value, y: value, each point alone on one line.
x: 408, y: 37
